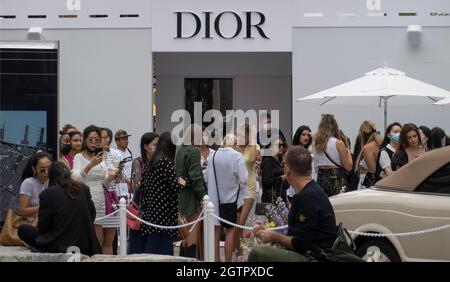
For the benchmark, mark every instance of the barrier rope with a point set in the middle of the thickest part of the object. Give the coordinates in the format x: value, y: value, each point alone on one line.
x: 108, y: 215
x: 369, y: 234
x: 200, y: 218
x: 401, y: 234
x: 246, y: 227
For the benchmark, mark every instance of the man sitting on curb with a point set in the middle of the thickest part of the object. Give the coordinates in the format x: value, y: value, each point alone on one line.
x: 311, y: 219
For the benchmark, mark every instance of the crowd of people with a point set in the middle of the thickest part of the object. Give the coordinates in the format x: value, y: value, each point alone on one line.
x: 168, y: 184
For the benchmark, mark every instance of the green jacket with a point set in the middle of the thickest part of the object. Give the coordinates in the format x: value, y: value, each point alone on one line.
x: 187, y: 166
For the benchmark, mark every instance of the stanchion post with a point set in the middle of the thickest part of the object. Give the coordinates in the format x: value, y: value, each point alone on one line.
x: 209, y: 241
x: 123, y: 226
x: 205, y: 228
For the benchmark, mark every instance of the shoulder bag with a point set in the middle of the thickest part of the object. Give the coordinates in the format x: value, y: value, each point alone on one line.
x: 9, y: 236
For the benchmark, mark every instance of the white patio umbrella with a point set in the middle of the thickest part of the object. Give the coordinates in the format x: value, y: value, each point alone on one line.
x: 445, y: 101
x: 379, y: 87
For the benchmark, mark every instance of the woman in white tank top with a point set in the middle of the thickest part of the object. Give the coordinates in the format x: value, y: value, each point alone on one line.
x: 330, y: 156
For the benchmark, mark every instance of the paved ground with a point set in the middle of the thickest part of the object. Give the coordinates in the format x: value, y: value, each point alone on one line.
x: 22, y: 254
x: 176, y: 250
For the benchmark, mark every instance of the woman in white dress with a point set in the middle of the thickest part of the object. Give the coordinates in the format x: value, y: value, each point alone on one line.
x: 90, y: 167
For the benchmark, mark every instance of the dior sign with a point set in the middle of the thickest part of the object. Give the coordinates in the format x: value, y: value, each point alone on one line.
x: 250, y: 21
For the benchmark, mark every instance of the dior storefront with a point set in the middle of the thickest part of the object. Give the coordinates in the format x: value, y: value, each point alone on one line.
x: 131, y: 64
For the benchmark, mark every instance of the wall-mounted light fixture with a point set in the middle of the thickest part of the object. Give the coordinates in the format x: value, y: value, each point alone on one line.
x: 414, y: 33
x: 34, y: 33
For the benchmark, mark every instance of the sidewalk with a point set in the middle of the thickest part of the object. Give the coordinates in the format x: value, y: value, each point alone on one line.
x: 23, y: 254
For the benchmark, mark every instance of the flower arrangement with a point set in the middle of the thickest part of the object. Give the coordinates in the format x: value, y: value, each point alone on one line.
x: 275, y: 216
x: 247, y: 244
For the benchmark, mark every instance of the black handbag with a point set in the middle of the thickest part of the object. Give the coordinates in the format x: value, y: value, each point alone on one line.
x: 343, y: 249
x: 264, y: 208
x: 351, y: 179
x: 369, y: 180
x: 227, y: 211
x: 188, y: 251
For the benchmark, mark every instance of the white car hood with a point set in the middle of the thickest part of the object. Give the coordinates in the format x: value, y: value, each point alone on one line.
x: 378, y: 199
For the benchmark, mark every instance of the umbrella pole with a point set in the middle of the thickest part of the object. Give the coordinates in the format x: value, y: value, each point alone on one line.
x: 385, y: 113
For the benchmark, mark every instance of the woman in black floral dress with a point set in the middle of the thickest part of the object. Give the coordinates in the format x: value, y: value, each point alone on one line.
x: 159, y: 189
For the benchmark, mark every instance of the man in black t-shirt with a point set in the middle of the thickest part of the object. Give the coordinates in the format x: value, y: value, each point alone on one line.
x: 311, y: 219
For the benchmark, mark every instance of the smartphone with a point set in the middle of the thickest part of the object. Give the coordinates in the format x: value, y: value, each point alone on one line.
x: 98, y: 150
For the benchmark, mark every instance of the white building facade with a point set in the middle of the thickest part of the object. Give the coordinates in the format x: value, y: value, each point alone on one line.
x: 258, y: 54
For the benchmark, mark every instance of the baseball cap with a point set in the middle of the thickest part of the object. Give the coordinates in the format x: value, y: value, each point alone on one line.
x: 120, y: 133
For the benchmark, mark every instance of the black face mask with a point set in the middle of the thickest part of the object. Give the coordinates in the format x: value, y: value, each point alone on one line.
x: 65, y: 148
x: 91, y: 151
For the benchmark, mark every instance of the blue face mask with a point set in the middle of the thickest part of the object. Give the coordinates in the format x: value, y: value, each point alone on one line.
x: 395, y: 137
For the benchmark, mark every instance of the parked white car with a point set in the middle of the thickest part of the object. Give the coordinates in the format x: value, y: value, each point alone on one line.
x: 414, y: 198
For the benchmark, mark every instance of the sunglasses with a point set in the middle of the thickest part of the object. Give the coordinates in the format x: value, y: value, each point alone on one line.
x: 281, y: 145
x: 43, y: 170
x: 92, y: 140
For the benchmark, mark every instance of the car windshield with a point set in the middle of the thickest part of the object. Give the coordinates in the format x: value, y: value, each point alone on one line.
x: 438, y: 182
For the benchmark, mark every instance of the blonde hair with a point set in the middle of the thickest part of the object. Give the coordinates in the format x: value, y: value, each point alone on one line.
x: 328, y: 128
x: 229, y: 140
x: 378, y: 137
x: 367, y: 126
x: 244, y: 130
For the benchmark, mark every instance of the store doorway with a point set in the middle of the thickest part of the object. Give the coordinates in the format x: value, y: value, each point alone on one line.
x: 247, y: 81
x: 213, y: 93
